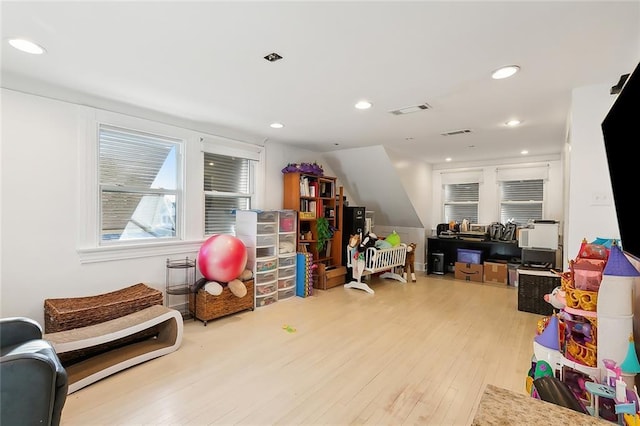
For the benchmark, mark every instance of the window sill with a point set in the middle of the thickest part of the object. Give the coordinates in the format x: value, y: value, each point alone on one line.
x: 107, y: 254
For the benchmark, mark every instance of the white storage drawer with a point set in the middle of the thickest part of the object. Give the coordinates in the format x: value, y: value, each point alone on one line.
x: 266, y: 300
x: 265, y: 252
x: 266, y: 240
x: 266, y: 228
x: 266, y: 264
x: 287, y: 271
x: 287, y: 261
x: 285, y: 294
x: 287, y: 221
x: 268, y: 216
x: 265, y: 277
x: 263, y: 290
x: 286, y: 282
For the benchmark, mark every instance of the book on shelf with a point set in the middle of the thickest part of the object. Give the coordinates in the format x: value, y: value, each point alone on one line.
x: 304, y: 186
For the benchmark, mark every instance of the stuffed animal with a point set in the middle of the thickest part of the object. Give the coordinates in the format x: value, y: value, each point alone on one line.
x: 409, y: 262
x: 557, y: 298
x: 367, y: 241
x: 237, y: 287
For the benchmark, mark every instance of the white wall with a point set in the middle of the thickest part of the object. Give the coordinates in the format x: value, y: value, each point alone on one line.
x: 42, y: 197
x: 489, y: 207
x: 590, y: 213
x: 277, y: 157
x: 41, y: 168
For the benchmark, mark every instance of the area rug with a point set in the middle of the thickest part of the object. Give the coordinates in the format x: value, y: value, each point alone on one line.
x: 503, y: 407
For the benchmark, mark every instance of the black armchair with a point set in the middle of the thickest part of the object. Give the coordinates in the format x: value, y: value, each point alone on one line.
x: 33, y: 382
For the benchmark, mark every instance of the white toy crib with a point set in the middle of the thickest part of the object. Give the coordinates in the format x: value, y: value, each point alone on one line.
x: 376, y: 260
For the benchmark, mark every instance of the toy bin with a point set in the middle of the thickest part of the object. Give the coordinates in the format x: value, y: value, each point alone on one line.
x: 532, y: 286
x: 469, y: 256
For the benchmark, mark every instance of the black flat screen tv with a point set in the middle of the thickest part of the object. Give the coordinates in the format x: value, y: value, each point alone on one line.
x: 621, y: 131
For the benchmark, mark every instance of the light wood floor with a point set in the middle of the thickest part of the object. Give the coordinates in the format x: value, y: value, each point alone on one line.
x: 415, y: 353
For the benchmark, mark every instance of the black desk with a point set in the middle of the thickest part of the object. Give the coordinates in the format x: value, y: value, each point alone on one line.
x: 501, y: 250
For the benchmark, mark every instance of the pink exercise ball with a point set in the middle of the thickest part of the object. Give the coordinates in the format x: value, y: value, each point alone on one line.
x: 222, y: 258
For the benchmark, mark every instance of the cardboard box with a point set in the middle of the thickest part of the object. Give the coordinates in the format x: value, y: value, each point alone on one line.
x: 495, y: 272
x: 468, y: 272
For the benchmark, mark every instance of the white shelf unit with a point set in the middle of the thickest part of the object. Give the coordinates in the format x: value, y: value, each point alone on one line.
x: 259, y: 230
x: 287, y: 234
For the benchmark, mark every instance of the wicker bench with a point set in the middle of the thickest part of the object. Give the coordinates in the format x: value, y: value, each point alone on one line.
x: 116, y: 350
x: 73, y: 312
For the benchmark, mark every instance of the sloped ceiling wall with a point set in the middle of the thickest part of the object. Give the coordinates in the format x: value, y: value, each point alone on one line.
x: 371, y: 180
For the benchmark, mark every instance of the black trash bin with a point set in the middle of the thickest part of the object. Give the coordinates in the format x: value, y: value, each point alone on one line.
x: 437, y: 263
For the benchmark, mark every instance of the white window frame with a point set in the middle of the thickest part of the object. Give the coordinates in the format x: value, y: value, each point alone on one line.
x: 460, y: 177
x: 221, y: 146
x: 89, y: 244
x: 524, y: 203
x: 177, y: 193
x: 453, y: 204
x: 523, y: 172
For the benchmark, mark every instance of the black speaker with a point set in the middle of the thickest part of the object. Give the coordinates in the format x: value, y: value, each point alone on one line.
x: 352, y: 223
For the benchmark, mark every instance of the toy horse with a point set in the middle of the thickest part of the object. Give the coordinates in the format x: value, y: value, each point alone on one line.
x: 409, y: 262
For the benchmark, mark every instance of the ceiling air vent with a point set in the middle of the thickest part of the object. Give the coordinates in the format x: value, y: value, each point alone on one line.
x: 456, y: 132
x: 409, y: 110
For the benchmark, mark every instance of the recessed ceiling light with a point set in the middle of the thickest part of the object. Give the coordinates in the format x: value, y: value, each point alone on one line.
x: 363, y: 105
x: 505, y: 72
x: 524, y: 152
x: 512, y: 123
x: 447, y: 159
x: 272, y: 57
x: 26, y: 46
x: 277, y: 125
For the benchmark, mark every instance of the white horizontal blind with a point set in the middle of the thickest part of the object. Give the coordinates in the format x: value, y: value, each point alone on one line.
x: 228, y: 186
x: 139, y: 184
x: 461, y: 202
x: 521, y: 200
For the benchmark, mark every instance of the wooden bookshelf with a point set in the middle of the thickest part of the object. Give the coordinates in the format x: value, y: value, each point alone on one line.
x: 315, y: 197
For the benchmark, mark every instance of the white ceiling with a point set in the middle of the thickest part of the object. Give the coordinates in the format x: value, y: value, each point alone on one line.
x: 203, y: 62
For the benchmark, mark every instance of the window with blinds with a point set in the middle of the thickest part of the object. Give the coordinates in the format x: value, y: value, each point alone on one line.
x: 521, y: 200
x: 461, y: 202
x: 228, y: 186
x: 139, y: 183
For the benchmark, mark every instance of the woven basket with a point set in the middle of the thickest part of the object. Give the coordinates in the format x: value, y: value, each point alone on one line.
x: 207, y: 306
x: 73, y: 312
